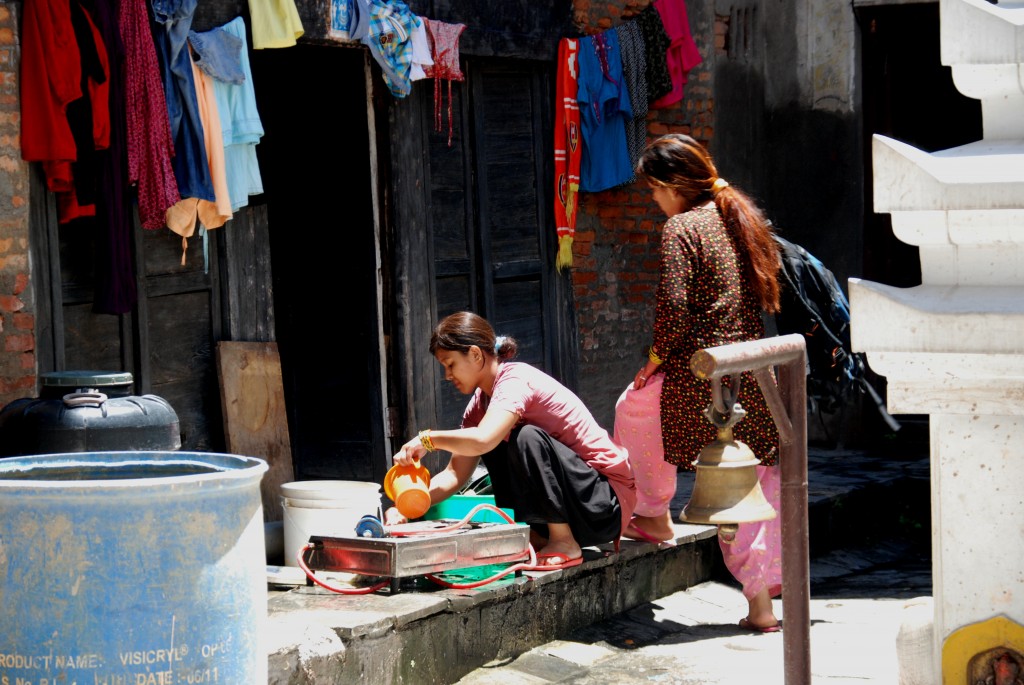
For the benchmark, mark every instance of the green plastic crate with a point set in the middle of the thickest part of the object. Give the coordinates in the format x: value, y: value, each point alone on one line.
x: 457, y: 506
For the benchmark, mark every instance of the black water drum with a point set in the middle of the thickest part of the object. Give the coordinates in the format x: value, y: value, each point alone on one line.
x: 87, y: 411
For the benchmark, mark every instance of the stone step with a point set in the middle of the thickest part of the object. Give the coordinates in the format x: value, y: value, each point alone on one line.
x: 425, y: 633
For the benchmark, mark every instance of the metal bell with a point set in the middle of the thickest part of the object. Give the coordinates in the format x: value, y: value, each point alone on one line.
x: 725, y: 489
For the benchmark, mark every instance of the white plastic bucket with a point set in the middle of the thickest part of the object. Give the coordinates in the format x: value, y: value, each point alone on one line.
x: 330, y: 508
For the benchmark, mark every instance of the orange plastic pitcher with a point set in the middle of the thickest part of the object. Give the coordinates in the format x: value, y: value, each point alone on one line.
x: 409, y: 488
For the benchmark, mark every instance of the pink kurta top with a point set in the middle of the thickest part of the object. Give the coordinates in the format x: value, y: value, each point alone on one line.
x: 539, y: 400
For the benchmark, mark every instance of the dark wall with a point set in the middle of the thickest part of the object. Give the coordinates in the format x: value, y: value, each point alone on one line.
x: 802, y: 163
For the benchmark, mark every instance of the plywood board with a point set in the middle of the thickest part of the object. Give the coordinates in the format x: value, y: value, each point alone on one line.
x: 255, y: 422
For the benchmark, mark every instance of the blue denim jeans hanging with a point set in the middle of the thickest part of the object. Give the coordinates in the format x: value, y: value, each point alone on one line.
x: 173, y: 19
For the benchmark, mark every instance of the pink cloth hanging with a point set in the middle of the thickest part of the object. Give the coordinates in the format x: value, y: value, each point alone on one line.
x: 444, y: 50
x: 682, y: 54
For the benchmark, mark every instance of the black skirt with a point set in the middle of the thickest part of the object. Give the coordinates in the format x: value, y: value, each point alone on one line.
x: 543, y: 481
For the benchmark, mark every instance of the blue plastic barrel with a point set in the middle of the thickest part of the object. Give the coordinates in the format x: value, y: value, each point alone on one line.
x: 132, y: 568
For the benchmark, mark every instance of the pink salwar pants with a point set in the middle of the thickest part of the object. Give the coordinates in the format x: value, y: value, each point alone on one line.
x: 754, y: 556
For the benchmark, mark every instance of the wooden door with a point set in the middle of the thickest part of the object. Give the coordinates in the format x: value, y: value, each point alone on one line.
x: 486, y: 227
x: 166, y: 342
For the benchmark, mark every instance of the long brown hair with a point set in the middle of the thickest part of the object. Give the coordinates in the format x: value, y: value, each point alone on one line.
x: 679, y: 162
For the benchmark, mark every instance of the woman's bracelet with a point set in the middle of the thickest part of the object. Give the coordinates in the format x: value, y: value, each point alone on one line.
x: 655, y: 359
x: 425, y: 440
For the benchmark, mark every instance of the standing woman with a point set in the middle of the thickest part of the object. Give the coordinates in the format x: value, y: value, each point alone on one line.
x: 548, y: 458
x: 719, y: 271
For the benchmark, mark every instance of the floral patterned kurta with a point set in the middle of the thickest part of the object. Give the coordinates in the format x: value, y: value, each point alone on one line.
x: 702, y: 301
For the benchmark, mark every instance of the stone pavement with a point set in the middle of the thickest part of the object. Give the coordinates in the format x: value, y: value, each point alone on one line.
x: 861, y: 592
x: 646, y: 613
x: 858, y: 602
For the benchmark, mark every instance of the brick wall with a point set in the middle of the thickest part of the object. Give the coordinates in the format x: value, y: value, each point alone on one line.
x: 17, y: 310
x: 615, y: 266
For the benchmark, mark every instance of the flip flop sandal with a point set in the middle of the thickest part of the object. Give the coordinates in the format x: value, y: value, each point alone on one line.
x: 747, y: 625
x: 563, y: 563
x: 634, y: 532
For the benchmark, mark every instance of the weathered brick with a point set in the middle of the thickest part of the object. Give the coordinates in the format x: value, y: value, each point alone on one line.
x: 582, y: 278
x: 24, y: 322
x: 16, y: 387
x: 11, y: 303
x: 19, y: 342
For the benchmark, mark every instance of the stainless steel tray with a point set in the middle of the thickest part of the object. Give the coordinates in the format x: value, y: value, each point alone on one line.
x: 424, y: 550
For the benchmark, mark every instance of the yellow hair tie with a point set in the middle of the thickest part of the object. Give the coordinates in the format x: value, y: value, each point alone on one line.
x: 719, y: 185
x: 426, y: 441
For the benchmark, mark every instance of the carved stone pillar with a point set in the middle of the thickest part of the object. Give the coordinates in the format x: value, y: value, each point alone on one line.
x: 953, y: 347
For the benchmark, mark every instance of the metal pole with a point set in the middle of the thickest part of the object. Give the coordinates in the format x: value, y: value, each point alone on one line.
x: 789, y: 353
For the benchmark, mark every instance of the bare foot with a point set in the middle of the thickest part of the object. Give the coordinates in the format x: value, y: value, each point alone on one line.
x: 561, y: 546
x: 653, y: 527
x: 760, y: 613
x: 555, y: 554
x: 746, y: 624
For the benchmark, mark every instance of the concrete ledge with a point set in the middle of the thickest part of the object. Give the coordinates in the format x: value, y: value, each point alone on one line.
x: 987, y: 174
x: 428, y: 634
x: 964, y: 20
x: 434, y: 634
x: 953, y: 319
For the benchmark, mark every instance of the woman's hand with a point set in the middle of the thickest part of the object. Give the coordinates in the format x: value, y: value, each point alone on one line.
x: 640, y: 380
x: 410, y: 452
x: 393, y: 517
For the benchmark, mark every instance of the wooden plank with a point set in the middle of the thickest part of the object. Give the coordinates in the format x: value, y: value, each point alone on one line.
x: 247, y: 276
x: 255, y: 423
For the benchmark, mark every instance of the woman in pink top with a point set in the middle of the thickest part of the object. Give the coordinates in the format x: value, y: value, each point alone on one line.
x: 548, y: 458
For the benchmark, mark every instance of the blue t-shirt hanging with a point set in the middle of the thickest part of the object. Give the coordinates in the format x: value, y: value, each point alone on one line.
x: 604, y: 110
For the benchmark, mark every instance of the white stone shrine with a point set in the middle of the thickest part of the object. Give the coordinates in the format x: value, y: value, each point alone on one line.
x: 953, y: 348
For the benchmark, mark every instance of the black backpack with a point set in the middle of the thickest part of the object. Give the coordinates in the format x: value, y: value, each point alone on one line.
x: 814, y: 305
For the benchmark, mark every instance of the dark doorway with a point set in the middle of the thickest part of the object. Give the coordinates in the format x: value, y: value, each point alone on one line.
x: 317, y: 180
x: 909, y: 96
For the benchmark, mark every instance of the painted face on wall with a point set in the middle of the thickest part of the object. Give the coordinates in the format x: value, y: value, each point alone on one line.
x: 669, y: 200
x: 462, y: 368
